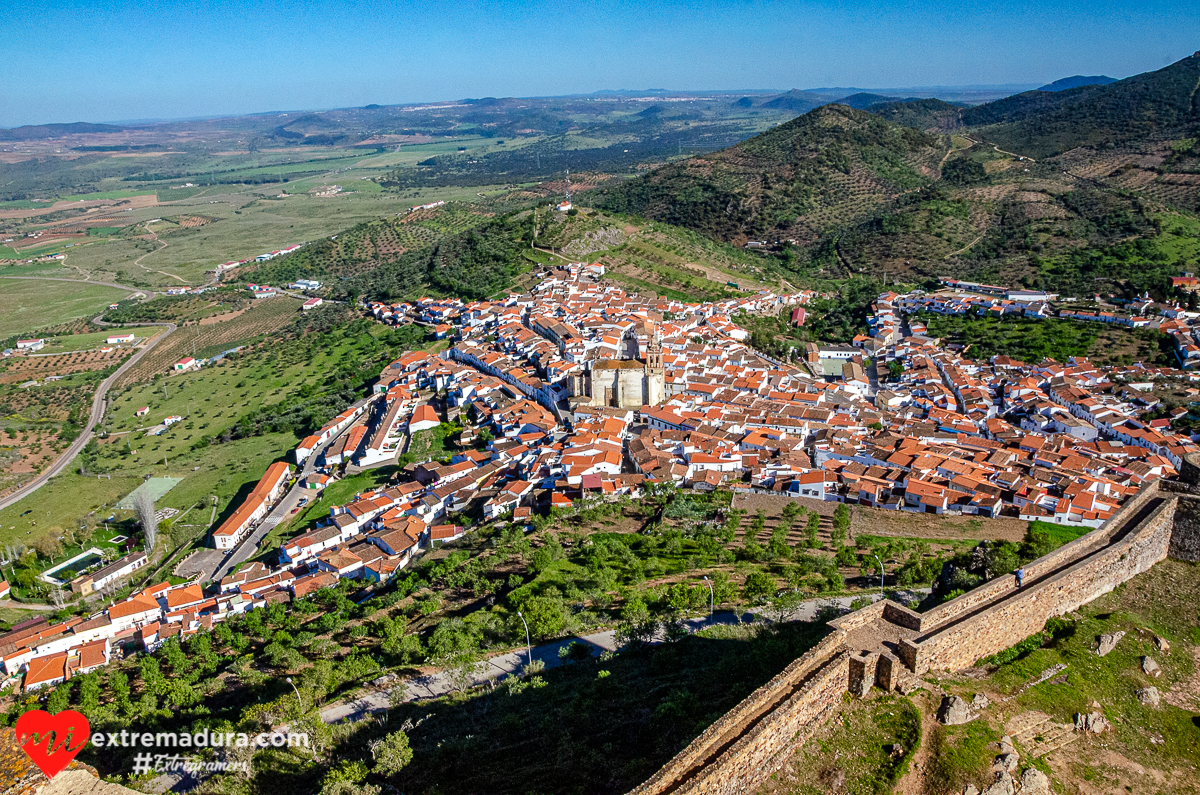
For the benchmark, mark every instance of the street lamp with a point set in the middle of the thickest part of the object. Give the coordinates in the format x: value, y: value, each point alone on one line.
x: 712, y: 598
x: 880, y: 575
x: 298, y: 699
x: 528, y: 645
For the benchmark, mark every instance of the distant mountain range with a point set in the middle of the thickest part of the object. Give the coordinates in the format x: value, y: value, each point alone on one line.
x: 1063, y: 176
x: 1078, y: 81
x: 38, y: 132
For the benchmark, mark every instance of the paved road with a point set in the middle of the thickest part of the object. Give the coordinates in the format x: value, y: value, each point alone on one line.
x: 279, y: 514
x: 97, y: 414
x: 438, y: 683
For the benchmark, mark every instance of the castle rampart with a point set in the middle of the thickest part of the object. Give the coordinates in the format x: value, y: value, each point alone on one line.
x: 886, y: 644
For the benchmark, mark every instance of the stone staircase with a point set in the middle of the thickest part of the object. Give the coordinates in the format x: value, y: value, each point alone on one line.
x: 1038, y: 734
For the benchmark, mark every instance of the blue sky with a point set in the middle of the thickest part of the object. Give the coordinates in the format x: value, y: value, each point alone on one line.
x: 103, y: 60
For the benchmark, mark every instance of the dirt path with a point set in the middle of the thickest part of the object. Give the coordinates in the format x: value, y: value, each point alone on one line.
x: 97, y: 413
x: 914, y: 781
x: 966, y: 247
x: 164, y: 243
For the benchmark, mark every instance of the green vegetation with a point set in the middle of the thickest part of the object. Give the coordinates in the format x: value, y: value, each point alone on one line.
x: 1059, y: 339
x: 990, y: 559
x: 836, y: 319
x: 867, y: 749
x: 446, y: 611
x: 1042, y: 123
x: 924, y: 114
x: 27, y: 304
x: 1159, y: 602
x: 960, y: 755
x: 833, y: 161
x: 239, y: 416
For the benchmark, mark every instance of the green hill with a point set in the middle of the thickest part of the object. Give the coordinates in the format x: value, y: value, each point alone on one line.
x: 1076, y: 81
x: 1043, y: 123
x: 863, y: 100
x: 832, y: 165
x: 924, y: 114
x: 796, y: 100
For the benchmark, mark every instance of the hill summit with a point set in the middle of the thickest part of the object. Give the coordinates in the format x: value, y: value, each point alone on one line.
x: 790, y: 182
x: 1076, y: 81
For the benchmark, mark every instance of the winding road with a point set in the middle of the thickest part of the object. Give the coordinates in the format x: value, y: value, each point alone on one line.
x: 98, y: 399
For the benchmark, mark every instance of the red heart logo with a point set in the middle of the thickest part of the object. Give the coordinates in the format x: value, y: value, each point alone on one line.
x: 52, y: 741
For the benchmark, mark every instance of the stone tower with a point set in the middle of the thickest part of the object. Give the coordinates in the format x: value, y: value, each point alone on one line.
x: 656, y: 378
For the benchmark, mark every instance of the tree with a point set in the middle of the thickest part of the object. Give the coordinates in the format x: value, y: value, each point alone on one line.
x: 391, y: 754
x: 778, y: 547
x: 637, y: 626
x: 758, y: 585
x: 814, y: 526
x: 143, y: 508
x: 48, y: 546
x: 546, y: 616
x: 461, y: 668
x: 895, y: 369
x: 787, y: 605
x: 841, y: 523
x: 754, y: 550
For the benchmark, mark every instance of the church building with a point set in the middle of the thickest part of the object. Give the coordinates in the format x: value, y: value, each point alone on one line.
x: 628, y: 381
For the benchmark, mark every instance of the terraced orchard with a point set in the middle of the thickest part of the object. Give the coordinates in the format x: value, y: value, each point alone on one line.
x: 265, y: 317
x: 364, y: 247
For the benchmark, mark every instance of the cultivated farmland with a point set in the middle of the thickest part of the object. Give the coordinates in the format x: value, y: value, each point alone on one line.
x: 265, y: 317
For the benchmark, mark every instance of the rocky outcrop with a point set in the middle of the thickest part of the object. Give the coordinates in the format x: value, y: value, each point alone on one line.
x: 1002, y: 786
x: 1093, y: 722
x: 1149, y: 696
x: 1151, y: 668
x: 1035, y: 782
x: 954, y: 711
x: 1109, y: 642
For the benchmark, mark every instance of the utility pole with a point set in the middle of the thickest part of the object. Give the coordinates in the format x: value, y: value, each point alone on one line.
x: 712, y: 598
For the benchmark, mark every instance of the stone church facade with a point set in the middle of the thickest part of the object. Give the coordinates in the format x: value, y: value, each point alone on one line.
x: 627, y: 382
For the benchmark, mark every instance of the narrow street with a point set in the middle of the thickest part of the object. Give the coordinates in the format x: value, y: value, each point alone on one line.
x: 248, y: 548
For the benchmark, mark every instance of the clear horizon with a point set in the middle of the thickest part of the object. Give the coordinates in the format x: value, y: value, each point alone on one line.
x: 183, y: 59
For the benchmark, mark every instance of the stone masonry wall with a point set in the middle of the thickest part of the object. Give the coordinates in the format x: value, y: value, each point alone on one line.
x: 749, y: 762
x: 1185, y: 539
x: 745, y: 746
x: 1084, y: 545
x: 791, y: 700
x: 1025, y: 612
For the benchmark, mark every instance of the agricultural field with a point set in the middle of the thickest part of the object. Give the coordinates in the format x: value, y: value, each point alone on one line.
x: 239, y: 415
x: 241, y: 222
x: 202, y: 340
x: 20, y: 369
x: 28, y: 304
x: 38, y: 422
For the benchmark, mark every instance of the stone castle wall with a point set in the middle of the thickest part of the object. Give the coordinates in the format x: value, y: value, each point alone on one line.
x: 767, y: 725
x: 749, y: 743
x: 960, y: 643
